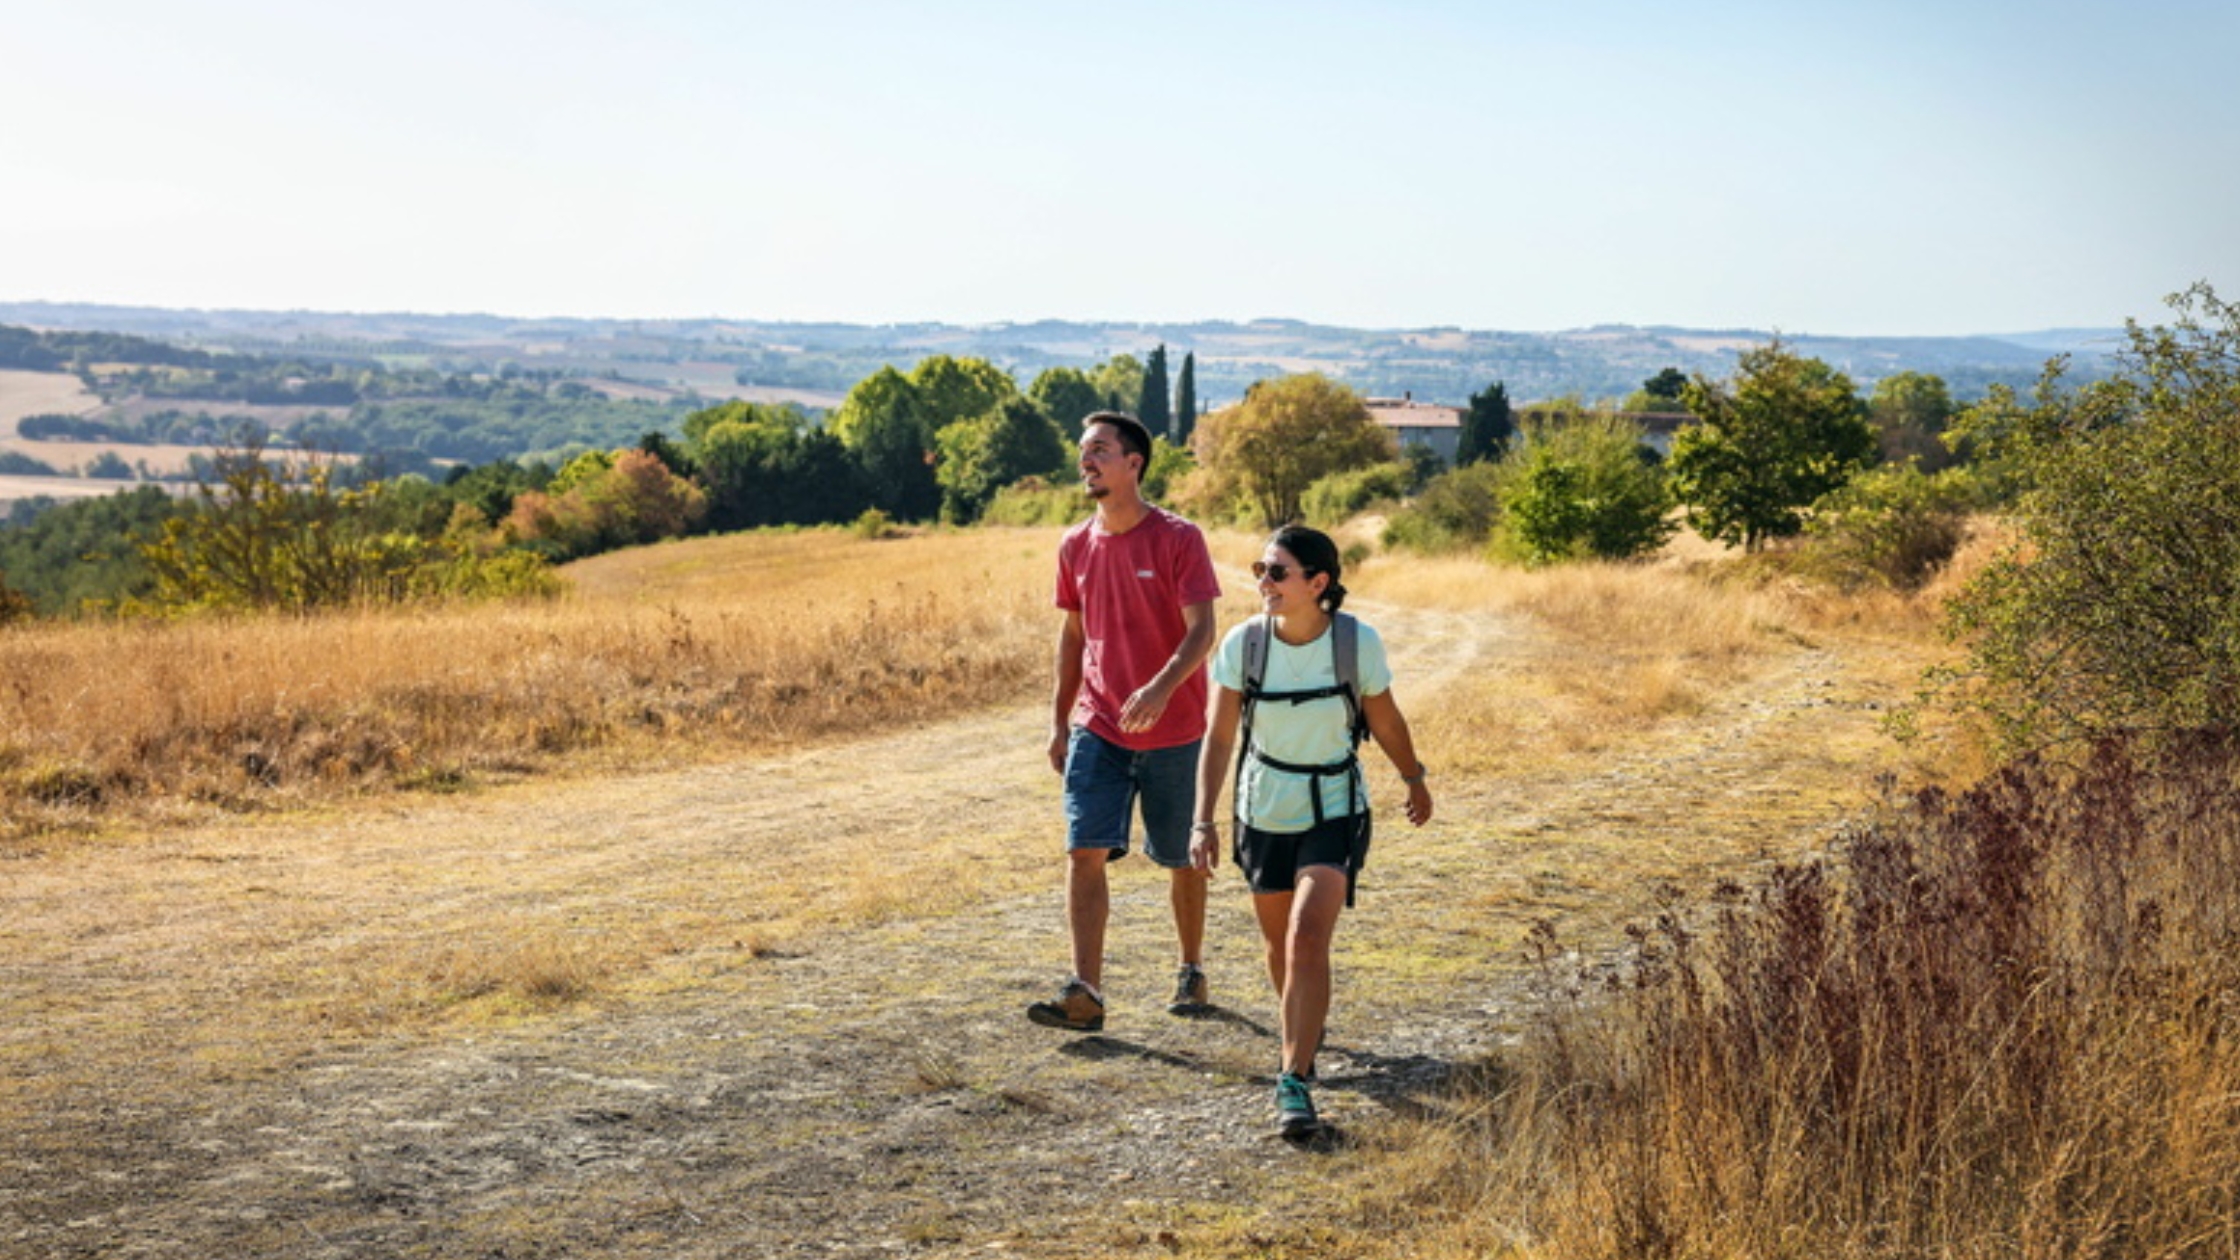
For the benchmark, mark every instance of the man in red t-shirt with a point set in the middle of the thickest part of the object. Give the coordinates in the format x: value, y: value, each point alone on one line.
x: 1137, y: 587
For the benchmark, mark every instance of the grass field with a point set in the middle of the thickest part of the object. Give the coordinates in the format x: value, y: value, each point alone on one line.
x: 59, y: 393
x: 40, y: 393
x: 754, y: 642
x: 741, y: 857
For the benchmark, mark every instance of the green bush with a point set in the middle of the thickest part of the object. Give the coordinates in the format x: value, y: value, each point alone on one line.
x: 510, y: 574
x: 1892, y: 527
x: 874, y: 525
x: 1341, y: 496
x: 2119, y: 607
x: 1456, y: 512
x: 1584, y: 486
x: 1169, y: 464
x: 1034, y: 501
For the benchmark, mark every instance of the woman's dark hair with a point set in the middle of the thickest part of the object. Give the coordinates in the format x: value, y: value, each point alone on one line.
x: 1316, y: 553
x: 1133, y: 434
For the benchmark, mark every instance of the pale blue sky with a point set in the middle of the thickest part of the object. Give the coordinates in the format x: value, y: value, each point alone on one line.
x: 1893, y: 168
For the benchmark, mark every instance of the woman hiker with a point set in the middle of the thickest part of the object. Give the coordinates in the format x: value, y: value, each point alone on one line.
x: 1302, y: 808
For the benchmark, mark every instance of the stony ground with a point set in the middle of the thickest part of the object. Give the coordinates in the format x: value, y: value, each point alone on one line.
x: 194, y: 1060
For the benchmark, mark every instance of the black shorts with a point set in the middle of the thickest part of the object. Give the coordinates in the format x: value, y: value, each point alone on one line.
x: 1271, y: 860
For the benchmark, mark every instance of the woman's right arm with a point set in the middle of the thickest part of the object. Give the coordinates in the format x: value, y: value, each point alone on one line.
x: 1213, y: 769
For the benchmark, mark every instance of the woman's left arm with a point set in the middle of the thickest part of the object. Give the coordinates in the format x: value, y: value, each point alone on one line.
x: 1389, y: 727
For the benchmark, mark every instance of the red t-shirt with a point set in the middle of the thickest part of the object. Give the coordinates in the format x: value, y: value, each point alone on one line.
x: 1130, y: 590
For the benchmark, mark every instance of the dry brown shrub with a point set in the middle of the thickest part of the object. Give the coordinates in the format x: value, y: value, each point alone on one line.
x: 2004, y: 1024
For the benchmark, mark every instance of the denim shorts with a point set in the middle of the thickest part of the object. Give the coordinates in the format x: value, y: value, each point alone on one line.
x: 1105, y: 783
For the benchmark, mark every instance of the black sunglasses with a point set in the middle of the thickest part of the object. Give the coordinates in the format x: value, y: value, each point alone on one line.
x: 1278, y: 572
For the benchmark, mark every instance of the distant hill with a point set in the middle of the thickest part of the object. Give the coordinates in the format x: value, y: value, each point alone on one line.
x: 819, y: 361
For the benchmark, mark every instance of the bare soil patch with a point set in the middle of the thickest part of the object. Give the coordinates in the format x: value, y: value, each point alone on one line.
x: 215, y: 1046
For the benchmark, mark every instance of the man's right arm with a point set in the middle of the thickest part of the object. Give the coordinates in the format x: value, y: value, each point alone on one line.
x: 1071, y: 641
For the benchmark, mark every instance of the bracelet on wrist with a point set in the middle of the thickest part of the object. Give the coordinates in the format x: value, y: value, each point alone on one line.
x: 1422, y: 771
x: 1205, y: 826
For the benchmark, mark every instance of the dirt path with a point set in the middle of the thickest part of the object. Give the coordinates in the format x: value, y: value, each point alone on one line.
x: 200, y: 1056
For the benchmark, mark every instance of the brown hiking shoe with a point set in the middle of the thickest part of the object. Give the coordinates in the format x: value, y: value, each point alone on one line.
x: 1189, y: 991
x: 1075, y: 1008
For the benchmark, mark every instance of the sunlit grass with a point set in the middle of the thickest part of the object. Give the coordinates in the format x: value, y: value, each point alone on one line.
x: 775, y: 642
x: 760, y: 640
x: 2001, y: 1027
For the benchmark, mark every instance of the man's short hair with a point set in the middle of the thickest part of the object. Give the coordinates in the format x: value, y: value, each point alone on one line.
x: 1133, y: 434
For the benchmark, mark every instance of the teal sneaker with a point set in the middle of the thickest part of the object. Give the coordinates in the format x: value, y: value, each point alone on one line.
x: 1295, y: 1115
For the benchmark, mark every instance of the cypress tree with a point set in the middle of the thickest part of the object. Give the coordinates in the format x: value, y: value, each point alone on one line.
x: 1153, y: 408
x: 1186, y: 400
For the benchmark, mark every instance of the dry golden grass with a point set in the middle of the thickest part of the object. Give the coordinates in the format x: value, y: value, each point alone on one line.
x: 767, y: 640
x: 2003, y: 1028
x: 1626, y: 648
x: 627, y: 878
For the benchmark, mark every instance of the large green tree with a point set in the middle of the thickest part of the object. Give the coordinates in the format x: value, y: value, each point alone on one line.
x: 1120, y: 380
x: 1787, y: 431
x: 2118, y: 607
x: 1286, y: 435
x: 1487, y: 426
x: 1660, y: 393
x: 890, y: 422
x: 952, y: 389
x: 766, y: 465
x: 1579, y: 487
x: 884, y: 424
x: 986, y: 453
x: 1910, y: 412
x: 1066, y: 395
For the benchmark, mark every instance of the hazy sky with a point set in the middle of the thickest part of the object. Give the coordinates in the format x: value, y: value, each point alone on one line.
x: 1898, y: 167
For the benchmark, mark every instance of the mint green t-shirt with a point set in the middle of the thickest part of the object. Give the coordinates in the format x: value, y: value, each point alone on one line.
x: 1310, y: 733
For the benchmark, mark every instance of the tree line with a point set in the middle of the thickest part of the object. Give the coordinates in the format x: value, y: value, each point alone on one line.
x: 2116, y: 606
x: 934, y: 443
x: 958, y: 439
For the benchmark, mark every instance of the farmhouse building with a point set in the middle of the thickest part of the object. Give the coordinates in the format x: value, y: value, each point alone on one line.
x: 1420, y: 424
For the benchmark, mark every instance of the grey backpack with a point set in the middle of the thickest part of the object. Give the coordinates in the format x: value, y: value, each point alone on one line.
x: 1345, y: 639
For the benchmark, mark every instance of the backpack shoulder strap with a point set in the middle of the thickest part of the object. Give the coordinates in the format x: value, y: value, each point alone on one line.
x: 1345, y: 653
x: 1256, y: 634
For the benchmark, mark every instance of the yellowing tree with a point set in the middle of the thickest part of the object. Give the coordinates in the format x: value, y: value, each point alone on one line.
x: 635, y: 499
x: 265, y: 535
x: 1286, y: 435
